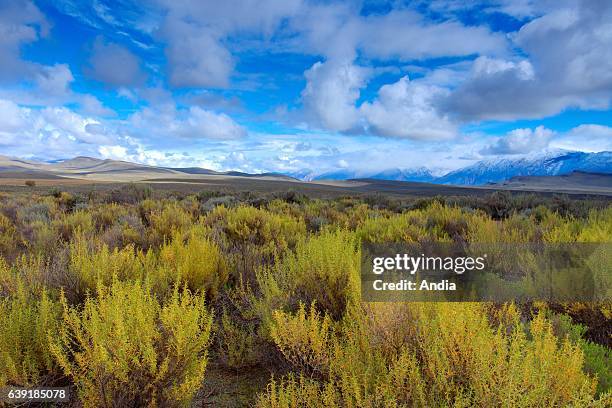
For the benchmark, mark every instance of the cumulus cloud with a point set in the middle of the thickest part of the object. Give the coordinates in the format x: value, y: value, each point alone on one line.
x: 236, y: 161
x: 165, y: 122
x: 408, y: 109
x: 114, y: 65
x: 54, y: 132
x: 338, y: 30
x: 331, y: 92
x: 211, y: 125
x: 197, y: 32
x: 12, y: 118
x: 196, y: 57
x: 90, y: 105
x: 54, y: 81
x: 569, y: 65
x: 21, y: 22
x: 407, y: 35
x: 520, y: 141
x: 588, y: 137
x: 405, y: 109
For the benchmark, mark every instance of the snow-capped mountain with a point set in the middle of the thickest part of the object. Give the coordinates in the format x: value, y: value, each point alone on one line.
x: 552, y: 163
x: 549, y: 164
x: 419, y: 174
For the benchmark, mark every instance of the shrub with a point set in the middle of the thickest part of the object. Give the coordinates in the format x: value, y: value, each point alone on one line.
x: 170, y: 219
x: 35, y: 212
x: 298, y: 393
x: 452, y: 356
x: 398, y: 228
x: 238, y: 342
x: 25, y: 325
x: 129, y: 194
x: 196, y: 262
x: 90, y: 266
x: 249, y: 225
x: 70, y: 224
x: 304, y: 339
x: 213, y: 202
x: 107, y: 214
x: 8, y: 237
x: 324, y: 269
x: 30, y: 183
x: 125, y: 348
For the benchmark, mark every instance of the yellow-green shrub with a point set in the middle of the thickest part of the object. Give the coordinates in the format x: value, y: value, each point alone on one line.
x: 598, y: 227
x: 107, y: 214
x: 90, y: 265
x: 8, y: 237
x: 25, y: 325
x: 125, y: 348
x: 304, y: 339
x: 324, y: 269
x: 249, y: 225
x: 298, y: 393
x: 238, y: 342
x: 196, y: 261
x: 78, y: 221
x: 451, y: 356
x: 170, y: 219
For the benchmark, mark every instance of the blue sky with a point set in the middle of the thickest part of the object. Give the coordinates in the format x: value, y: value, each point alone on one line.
x: 304, y: 86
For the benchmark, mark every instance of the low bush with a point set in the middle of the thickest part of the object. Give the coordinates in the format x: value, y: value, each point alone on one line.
x: 126, y: 348
x: 324, y: 270
x: 133, y: 273
x: 453, y: 358
x: 195, y: 261
x: 304, y: 339
x: 252, y: 226
x: 26, y: 324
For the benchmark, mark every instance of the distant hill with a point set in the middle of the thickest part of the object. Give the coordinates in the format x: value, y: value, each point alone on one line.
x: 550, y: 164
x: 577, y: 181
x: 94, y: 169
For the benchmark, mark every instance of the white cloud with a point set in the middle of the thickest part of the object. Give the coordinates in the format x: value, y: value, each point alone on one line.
x: 90, y: 105
x: 196, y: 56
x: 54, y: 132
x: 197, y: 32
x: 236, y: 161
x: 407, y: 109
x: 569, y: 66
x: 12, y: 117
x: 115, y: 152
x: 21, y: 22
x: 165, y: 122
x: 211, y: 125
x: 407, y: 35
x: 54, y: 81
x: 114, y: 65
x: 520, y: 141
x: 331, y: 92
x: 588, y: 137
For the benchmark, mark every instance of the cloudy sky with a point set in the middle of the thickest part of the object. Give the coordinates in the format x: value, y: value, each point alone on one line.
x: 304, y: 86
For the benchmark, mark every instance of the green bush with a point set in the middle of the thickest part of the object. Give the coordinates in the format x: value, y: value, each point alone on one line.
x: 25, y: 326
x: 195, y: 261
x: 126, y: 348
x: 324, y: 269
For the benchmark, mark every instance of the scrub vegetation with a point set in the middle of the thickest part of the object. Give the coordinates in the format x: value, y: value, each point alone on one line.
x: 140, y: 299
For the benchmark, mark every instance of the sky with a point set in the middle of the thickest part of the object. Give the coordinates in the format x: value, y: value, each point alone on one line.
x: 304, y: 87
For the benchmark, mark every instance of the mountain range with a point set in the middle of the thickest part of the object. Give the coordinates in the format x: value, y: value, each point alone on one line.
x: 554, y: 163
x: 487, y: 172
